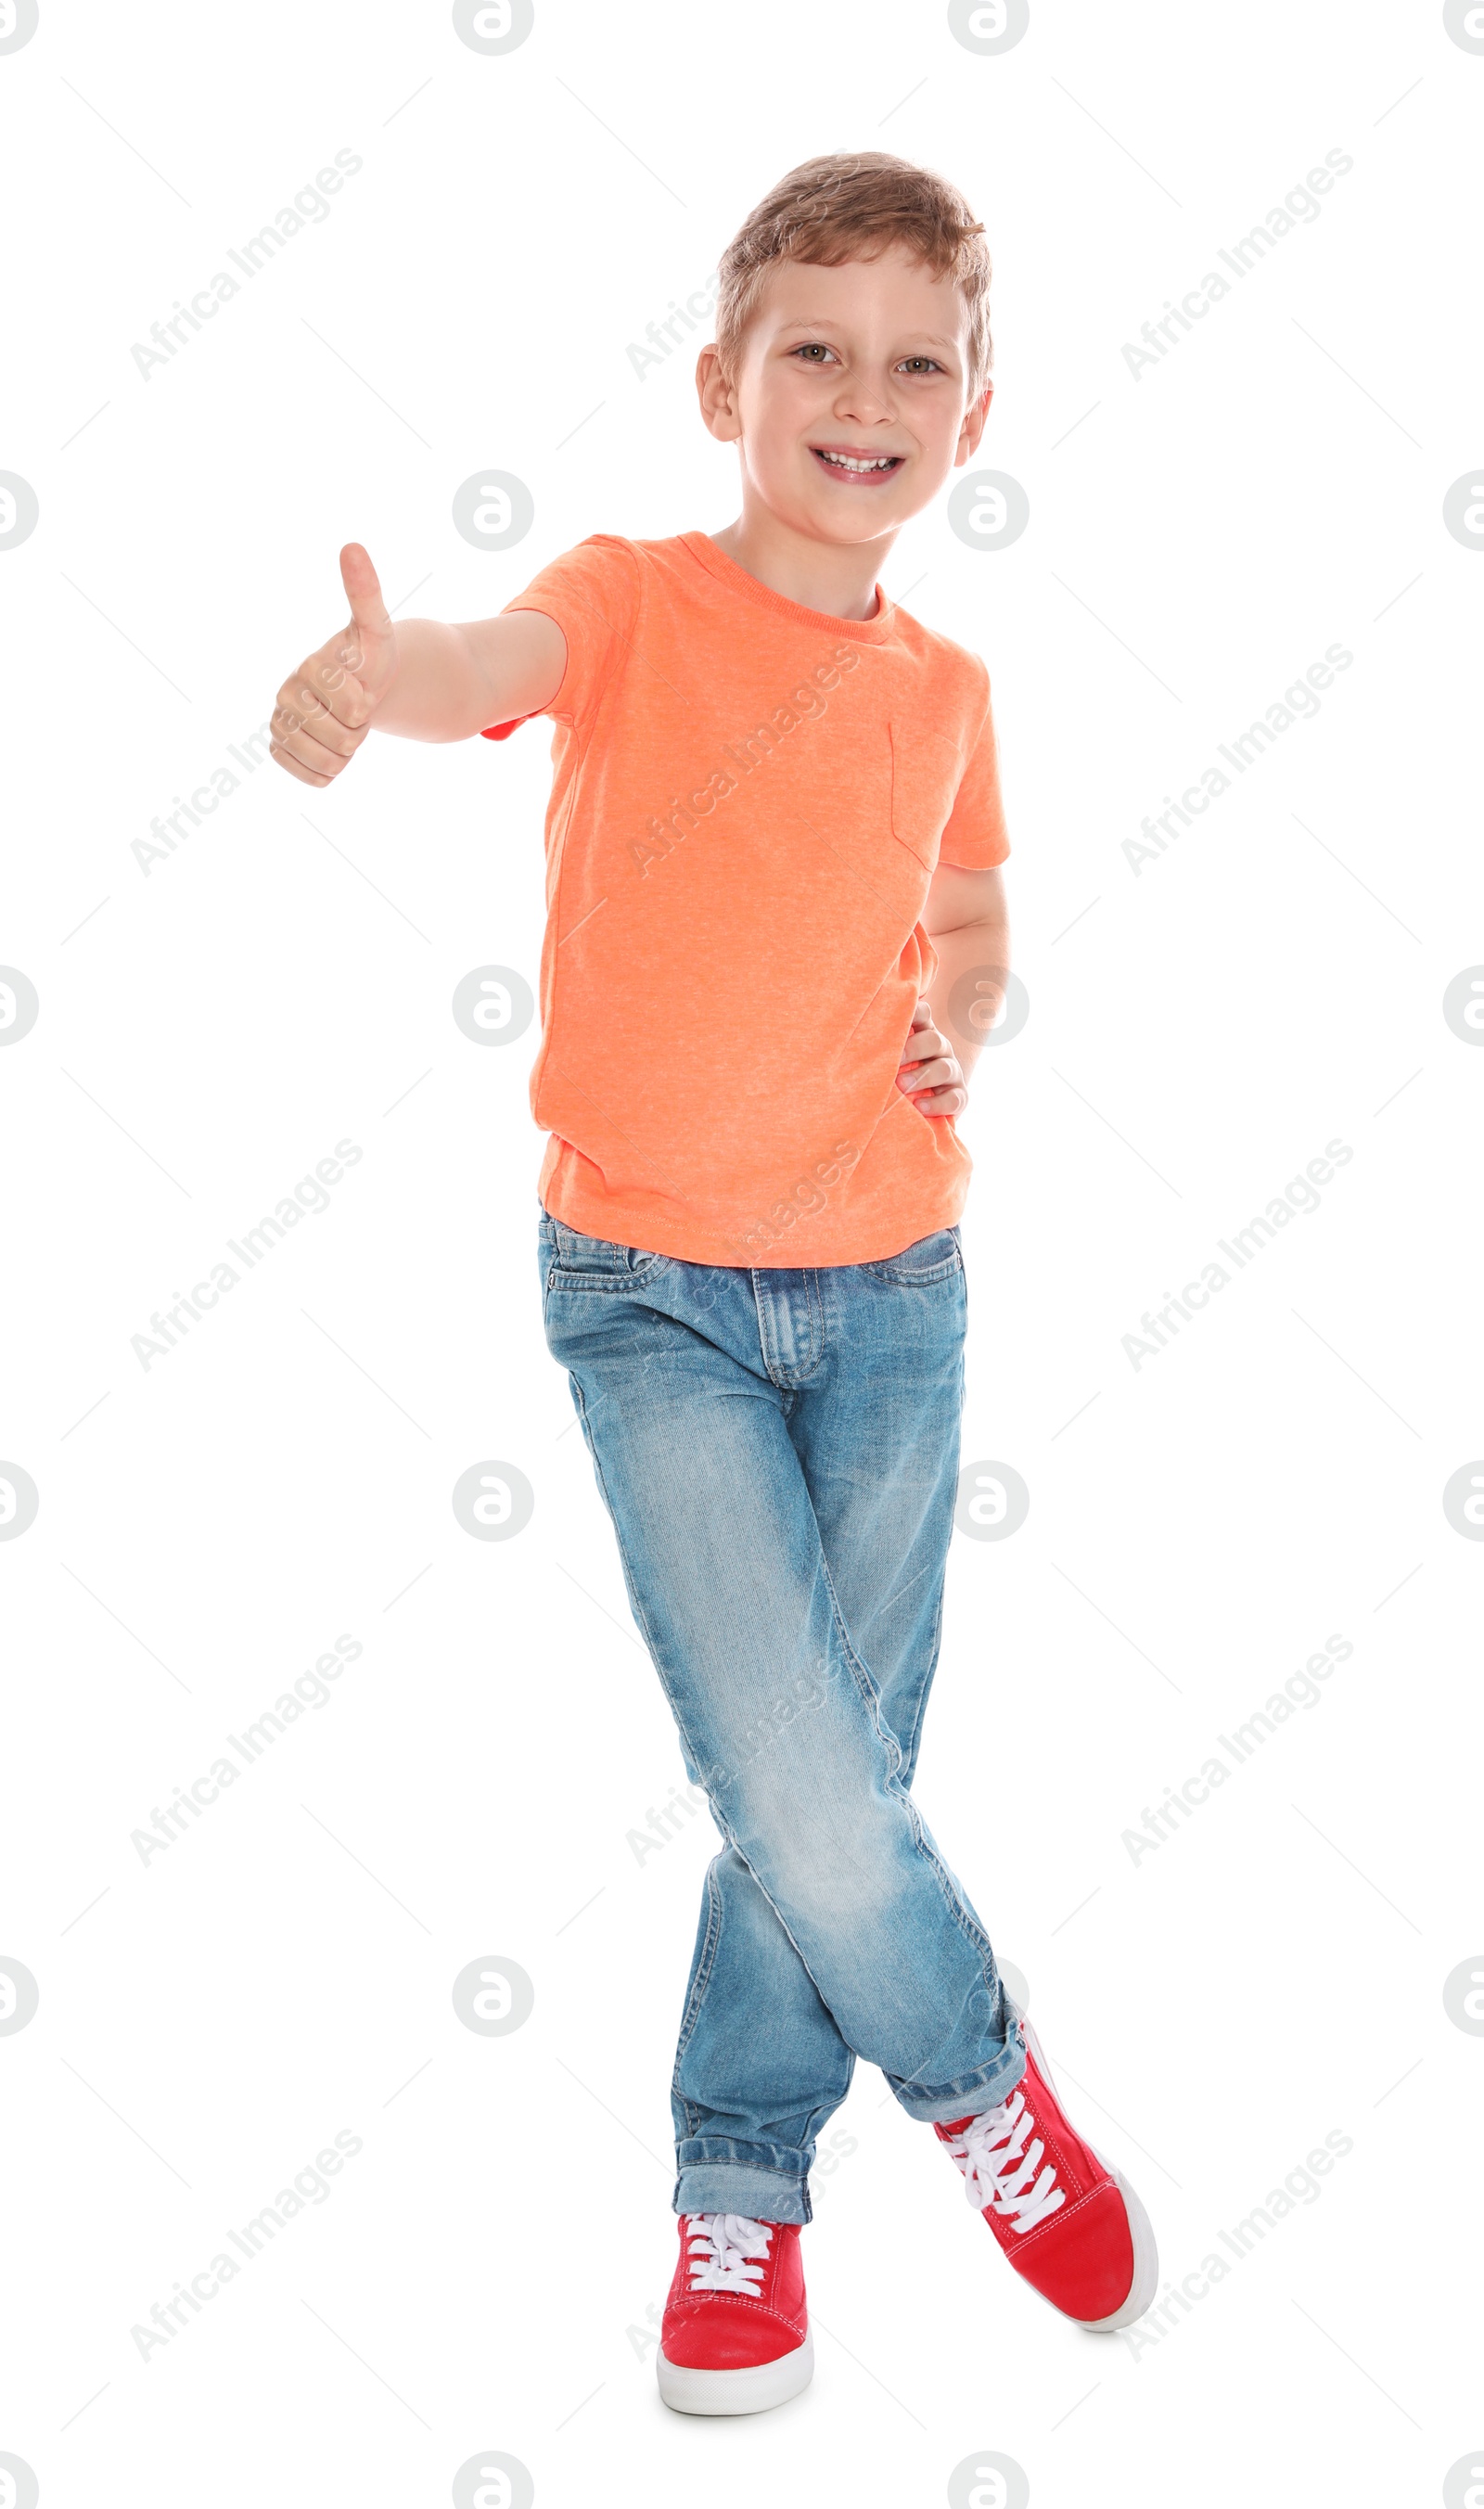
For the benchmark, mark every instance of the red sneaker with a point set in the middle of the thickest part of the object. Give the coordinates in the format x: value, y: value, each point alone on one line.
x: 1071, y: 2224
x: 735, y: 2337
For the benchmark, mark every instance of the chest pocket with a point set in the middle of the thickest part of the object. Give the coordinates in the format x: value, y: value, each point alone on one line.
x: 926, y: 766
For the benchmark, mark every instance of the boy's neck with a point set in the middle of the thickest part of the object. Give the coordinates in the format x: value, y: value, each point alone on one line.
x: 838, y: 578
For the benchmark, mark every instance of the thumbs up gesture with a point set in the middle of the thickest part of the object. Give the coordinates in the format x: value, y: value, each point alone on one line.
x: 327, y: 706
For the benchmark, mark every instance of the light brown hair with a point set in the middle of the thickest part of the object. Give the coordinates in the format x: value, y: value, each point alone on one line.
x: 851, y: 208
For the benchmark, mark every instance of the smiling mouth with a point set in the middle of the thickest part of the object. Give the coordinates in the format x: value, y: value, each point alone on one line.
x: 861, y: 470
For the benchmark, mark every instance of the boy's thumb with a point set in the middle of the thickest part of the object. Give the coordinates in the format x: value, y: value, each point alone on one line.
x: 363, y: 589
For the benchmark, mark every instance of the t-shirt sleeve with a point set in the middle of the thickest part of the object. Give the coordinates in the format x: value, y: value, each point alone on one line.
x: 975, y: 837
x: 592, y: 592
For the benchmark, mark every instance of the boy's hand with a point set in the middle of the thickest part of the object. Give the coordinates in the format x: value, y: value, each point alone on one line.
x: 930, y: 1073
x: 325, y: 708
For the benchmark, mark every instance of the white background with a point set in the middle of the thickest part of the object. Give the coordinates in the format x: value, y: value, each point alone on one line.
x: 480, y: 2276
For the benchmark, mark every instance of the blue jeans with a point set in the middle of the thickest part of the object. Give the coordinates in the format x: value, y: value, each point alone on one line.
x: 779, y: 1453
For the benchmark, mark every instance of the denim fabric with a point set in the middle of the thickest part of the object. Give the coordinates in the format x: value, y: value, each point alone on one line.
x: 779, y: 1453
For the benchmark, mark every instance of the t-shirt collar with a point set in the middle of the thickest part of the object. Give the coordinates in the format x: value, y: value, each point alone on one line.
x: 860, y: 631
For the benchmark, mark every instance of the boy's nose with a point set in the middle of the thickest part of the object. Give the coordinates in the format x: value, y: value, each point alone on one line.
x: 856, y: 400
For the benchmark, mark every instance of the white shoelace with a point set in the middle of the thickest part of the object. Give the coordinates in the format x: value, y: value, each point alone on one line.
x: 999, y: 2167
x: 727, y: 2252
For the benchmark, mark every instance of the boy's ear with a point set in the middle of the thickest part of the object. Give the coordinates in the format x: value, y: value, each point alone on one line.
x: 973, y: 426
x: 717, y: 396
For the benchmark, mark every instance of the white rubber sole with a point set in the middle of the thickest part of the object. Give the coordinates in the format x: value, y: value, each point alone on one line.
x: 737, y: 2391
x: 1146, y: 2255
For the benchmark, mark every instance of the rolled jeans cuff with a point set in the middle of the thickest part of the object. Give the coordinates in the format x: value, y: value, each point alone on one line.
x: 935, y: 2103
x: 763, y: 2180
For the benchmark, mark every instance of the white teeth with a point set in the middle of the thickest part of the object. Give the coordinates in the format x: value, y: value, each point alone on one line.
x: 847, y: 462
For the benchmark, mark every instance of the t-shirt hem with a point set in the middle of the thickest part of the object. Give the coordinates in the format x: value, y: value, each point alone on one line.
x: 842, y: 1239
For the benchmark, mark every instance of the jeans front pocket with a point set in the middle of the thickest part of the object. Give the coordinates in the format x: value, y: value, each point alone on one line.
x: 575, y: 1262
x: 938, y: 1258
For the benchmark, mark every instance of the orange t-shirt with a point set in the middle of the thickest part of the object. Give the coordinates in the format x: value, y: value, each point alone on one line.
x: 748, y: 800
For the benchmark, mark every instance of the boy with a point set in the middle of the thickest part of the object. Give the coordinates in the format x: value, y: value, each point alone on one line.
x: 775, y: 821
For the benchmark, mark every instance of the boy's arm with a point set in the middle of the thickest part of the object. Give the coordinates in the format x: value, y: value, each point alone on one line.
x: 423, y: 679
x: 968, y: 922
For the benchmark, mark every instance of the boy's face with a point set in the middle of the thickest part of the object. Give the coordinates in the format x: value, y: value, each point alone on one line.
x: 865, y: 364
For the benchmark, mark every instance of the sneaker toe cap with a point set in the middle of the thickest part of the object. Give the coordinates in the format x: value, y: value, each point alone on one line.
x: 1085, y: 2265
x: 727, y: 2335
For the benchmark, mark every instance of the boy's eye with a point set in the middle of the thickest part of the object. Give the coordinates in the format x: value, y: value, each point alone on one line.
x: 814, y: 351
x: 921, y: 365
